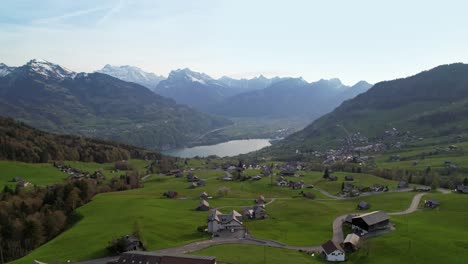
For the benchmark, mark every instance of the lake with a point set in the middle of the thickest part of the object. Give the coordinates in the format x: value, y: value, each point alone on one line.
x: 229, y: 148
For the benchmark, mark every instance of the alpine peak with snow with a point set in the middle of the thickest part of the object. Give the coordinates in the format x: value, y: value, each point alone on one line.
x: 47, y: 70
x: 132, y: 74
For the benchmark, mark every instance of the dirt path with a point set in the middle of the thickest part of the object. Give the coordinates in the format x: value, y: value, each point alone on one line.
x: 413, y: 206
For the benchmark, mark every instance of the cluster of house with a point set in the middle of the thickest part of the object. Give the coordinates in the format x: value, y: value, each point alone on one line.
x: 140, y: 257
x: 76, y: 174
x: 232, y: 221
x: 258, y: 211
x: 194, y: 181
x: 20, y: 182
x: 361, y: 225
x: 282, y: 182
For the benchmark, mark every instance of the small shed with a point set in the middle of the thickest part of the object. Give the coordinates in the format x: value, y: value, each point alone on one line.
x: 203, y: 206
x: 349, y: 178
x: 204, y: 195
x: 363, y: 205
x: 193, y: 185
x: 171, y: 194
x: 431, y: 203
x: 351, y: 242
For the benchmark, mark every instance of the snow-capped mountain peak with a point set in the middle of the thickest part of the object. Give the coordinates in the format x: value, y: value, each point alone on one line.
x: 189, y: 75
x: 5, y: 69
x: 132, y: 74
x: 49, y: 70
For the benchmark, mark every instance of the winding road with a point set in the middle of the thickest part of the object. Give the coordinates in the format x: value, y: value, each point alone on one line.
x: 337, y: 226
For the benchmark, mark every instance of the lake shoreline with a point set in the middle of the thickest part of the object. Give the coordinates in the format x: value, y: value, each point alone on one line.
x: 224, y: 149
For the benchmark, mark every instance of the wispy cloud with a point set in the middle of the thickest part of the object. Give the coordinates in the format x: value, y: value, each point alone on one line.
x: 112, y: 12
x: 60, y: 18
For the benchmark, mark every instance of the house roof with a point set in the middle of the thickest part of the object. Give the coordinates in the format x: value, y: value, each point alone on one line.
x: 154, y: 258
x: 373, y: 218
x: 352, y: 238
x: 330, y: 247
x: 203, y: 194
x: 225, y: 218
x: 204, y: 203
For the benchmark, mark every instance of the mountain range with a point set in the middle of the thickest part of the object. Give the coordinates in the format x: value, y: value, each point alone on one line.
x: 50, y: 97
x: 257, y: 97
x: 433, y: 103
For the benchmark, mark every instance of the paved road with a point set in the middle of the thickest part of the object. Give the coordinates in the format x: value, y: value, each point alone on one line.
x: 337, y: 226
x: 413, y: 206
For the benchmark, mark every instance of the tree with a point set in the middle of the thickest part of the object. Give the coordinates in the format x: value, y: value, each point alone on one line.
x: 465, y: 181
x: 73, y: 199
x: 326, y: 174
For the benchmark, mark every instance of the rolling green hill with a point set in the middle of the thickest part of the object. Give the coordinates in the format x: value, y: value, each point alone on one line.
x: 432, y: 103
x: 19, y: 142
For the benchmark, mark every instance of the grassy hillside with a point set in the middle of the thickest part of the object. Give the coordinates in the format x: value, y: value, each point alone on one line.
x: 37, y: 174
x: 23, y: 143
x: 166, y: 223
x: 433, y: 103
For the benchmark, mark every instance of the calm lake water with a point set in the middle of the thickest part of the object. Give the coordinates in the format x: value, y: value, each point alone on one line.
x: 229, y: 148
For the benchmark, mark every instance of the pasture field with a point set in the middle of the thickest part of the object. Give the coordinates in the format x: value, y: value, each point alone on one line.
x: 36, y: 173
x: 168, y: 223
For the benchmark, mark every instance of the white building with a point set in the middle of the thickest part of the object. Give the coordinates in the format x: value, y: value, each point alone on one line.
x: 333, y: 252
x: 218, y: 221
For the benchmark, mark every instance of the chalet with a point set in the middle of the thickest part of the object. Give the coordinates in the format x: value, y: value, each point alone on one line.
x: 260, y: 200
x: 332, y: 252
x: 462, y: 188
x: 378, y: 188
x: 349, y: 178
x: 371, y: 222
x: 402, y: 185
x: 351, y: 242
x: 256, y: 212
x: 193, y: 185
x: 192, y: 177
x: 155, y: 258
x: 218, y: 222
x: 171, y: 194
x: 431, y: 203
x: 201, y: 182
x: 282, y: 183
x: 362, y: 205
x: 309, y: 186
x: 296, y: 185
x: 203, y: 206
x: 204, y: 195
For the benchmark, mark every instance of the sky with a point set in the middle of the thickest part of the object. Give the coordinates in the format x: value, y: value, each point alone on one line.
x: 351, y: 40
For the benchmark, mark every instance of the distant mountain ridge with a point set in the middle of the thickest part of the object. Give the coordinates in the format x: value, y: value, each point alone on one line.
x: 432, y: 103
x: 290, y: 97
x: 50, y: 97
x: 133, y: 74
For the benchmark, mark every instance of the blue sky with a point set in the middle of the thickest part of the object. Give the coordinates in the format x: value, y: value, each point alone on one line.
x: 351, y: 40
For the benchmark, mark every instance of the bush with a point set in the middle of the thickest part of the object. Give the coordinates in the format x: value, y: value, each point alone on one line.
x: 223, y: 191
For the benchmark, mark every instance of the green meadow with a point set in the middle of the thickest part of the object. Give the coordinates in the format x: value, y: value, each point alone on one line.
x: 38, y: 173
